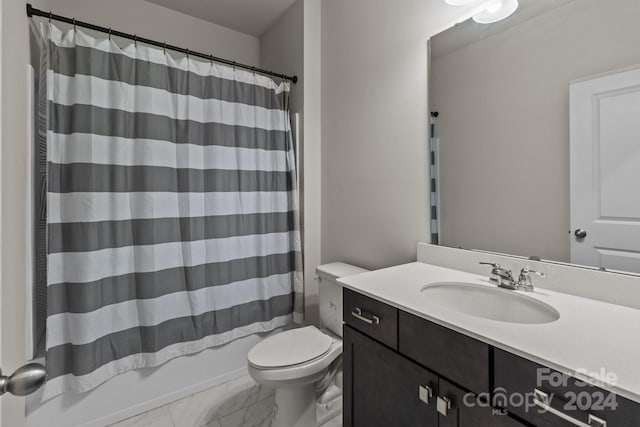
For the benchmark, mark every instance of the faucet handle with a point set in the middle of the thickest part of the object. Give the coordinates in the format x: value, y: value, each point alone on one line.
x: 497, y: 270
x: 524, y: 281
x: 527, y: 270
x: 500, y: 276
x: 492, y: 264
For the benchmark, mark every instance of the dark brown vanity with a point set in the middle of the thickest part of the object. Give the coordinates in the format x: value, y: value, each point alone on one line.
x: 401, y: 370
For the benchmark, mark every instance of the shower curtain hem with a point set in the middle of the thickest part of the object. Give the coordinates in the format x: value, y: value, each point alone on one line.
x: 72, y: 384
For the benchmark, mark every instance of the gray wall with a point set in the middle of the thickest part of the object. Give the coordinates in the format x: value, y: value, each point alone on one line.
x: 374, y: 127
x: 504, y: 124
x: 162, y: 24
x: 283, y: 47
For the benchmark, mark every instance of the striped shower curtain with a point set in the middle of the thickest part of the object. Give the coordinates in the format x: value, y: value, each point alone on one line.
x: 171, y: 207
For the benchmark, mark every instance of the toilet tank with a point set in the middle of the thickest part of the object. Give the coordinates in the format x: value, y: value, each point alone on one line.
x: 330, y: 293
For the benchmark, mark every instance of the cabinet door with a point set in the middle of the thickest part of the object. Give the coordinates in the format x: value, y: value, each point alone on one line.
x: 382, y: 388
x: 454, y: 356
x: 570, y: 400
x: 457, y: 408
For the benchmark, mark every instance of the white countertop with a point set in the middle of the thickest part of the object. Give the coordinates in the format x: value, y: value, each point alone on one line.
x: 590, y: 336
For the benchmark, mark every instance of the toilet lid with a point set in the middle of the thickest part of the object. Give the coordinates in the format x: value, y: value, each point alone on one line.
x: 290, y: 348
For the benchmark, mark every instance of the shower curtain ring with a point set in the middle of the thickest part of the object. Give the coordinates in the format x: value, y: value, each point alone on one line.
x: 164, y: 47
x: 74, y: 24
x: 50, y: 16
x: 135, y: 40
x: 109, y: 33
x: 212, y: 58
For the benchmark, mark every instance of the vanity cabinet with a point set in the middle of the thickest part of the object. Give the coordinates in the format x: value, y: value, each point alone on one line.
x: 388, y: 380
x: 382, y: 388
x: 402, y: 371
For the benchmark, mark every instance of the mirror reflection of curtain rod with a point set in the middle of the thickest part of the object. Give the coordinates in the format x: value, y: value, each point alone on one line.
x: 32, y: 11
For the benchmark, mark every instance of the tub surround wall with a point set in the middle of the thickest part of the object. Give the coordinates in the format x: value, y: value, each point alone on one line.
x: 612, y: 288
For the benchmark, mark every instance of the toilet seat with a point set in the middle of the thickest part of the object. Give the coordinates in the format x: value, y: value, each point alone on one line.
x: 302, y: 372
x: 290, y: 348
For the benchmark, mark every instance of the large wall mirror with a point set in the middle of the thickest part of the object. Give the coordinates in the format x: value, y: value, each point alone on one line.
x: 538, y: 133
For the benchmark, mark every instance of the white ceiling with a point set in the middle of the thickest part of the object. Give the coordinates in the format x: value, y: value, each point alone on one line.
x: 247, y: 16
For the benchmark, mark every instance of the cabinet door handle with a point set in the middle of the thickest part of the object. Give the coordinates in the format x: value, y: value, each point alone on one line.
x: 426, y: 393
x: 443, y: 405
x: 541, y: 400
x: 359, y: 314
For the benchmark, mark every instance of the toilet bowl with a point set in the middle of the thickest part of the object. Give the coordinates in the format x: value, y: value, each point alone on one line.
x: 296, y: 361
x: 293, y: 362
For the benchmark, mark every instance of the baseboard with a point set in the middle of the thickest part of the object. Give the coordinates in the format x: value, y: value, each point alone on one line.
x: 165, y: 399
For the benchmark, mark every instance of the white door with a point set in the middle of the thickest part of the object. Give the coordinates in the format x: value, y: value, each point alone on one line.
x: 605, y: 171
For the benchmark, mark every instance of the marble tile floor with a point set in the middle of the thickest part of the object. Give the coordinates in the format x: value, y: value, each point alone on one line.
x: 237, y: 403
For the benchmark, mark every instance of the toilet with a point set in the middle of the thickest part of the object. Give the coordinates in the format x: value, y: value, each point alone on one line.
x: 304, y: 363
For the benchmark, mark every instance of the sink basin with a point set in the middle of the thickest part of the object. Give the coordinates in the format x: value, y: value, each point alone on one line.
x: 489, y: 303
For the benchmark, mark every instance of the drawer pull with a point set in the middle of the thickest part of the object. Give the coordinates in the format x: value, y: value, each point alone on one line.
x: 425, y: 393
x: 541, y: 399
x: 359, y: 314
x: 443, y: 405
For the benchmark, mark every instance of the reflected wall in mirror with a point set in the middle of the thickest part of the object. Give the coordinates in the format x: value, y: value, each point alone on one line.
x: 538, y: 131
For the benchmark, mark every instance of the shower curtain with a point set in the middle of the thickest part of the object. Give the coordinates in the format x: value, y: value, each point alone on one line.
x: 172, y: 213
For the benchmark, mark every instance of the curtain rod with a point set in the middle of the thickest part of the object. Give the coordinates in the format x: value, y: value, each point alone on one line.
x: 32, y: 11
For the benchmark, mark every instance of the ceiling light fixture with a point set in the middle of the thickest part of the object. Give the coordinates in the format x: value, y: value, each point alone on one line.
x: 494, y: 7
x: 459, y: 2
x: 496, y: 11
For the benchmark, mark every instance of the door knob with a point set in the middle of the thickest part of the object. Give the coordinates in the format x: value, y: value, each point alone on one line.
x: 24, y: 381
x: 580, y: 233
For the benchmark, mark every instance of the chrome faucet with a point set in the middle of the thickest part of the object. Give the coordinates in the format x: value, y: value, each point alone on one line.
x: 504, y: 278
x: 501, y: 276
